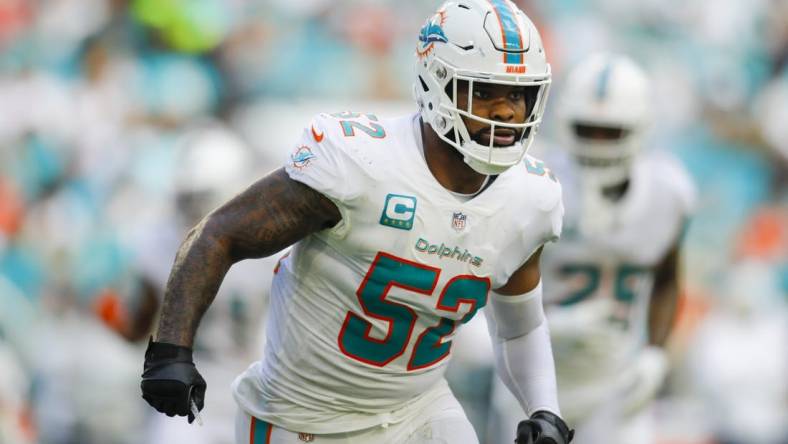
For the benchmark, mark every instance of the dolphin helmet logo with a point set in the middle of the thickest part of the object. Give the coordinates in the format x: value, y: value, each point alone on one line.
x: 432, y: 33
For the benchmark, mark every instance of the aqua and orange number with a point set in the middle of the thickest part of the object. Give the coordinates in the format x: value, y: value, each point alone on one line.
x: 389, y: 271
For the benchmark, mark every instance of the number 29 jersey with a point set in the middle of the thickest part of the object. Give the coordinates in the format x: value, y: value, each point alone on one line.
x: 362, y: 314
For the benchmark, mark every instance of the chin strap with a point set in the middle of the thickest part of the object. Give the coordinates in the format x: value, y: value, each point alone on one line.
x: 485, y: 168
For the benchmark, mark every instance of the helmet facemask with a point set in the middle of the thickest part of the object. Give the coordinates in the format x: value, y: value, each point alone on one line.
x: 604, y: 152
x: 450, y: 117
x: 603, y: 114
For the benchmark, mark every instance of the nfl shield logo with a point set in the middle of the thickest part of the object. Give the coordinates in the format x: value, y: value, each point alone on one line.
x: 458, y: 221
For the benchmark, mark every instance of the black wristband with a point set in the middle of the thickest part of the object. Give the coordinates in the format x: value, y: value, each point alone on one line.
x: 163, y: 352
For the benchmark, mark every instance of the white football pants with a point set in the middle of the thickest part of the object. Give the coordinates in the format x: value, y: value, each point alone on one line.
x: 442, y: 422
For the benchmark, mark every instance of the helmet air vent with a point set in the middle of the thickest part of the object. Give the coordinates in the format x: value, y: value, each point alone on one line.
x: 423, y: 84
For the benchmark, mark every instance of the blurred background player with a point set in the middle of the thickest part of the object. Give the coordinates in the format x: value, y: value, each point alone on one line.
x: 15, y: 354
x: 212, y: 164
x: 611, y: 282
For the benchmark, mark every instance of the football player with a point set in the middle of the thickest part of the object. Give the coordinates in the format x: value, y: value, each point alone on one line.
x: 612, y: 280
x: 402, y: 229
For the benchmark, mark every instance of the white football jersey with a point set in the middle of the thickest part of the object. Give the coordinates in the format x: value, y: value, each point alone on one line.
x: 362, y: 315
x: 598, y: 285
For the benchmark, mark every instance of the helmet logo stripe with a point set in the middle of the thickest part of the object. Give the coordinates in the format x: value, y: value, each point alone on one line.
x: 510, y: 31
x: 604, y: 80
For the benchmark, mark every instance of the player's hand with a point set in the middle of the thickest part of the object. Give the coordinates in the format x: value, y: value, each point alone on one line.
x: 543, y: 427
x: 170, y: 381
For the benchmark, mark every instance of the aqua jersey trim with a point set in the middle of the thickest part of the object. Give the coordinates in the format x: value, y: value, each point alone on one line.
x: 260, y: 432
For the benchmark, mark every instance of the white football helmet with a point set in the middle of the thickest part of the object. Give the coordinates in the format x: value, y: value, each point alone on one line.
x: 213, y: 165
x: 603, y: 112
x: 489, y: 41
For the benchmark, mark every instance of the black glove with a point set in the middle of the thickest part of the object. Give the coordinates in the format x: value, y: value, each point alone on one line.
x: 170, y: 381
x: 543, y: 427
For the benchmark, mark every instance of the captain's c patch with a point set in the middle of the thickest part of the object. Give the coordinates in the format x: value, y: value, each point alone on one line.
x: 399, y: 211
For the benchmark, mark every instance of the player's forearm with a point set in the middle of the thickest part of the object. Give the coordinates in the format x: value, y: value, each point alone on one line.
x: 525, y: 365
x: 523, y: 354
x: 200, y: 265
x: 270, y: 215
x: 664, y: 298
x: 662, y: 313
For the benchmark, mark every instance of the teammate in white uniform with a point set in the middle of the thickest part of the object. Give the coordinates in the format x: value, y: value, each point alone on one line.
x: 402, y: 230
x: 213, y: 163
x: 612, y: 279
